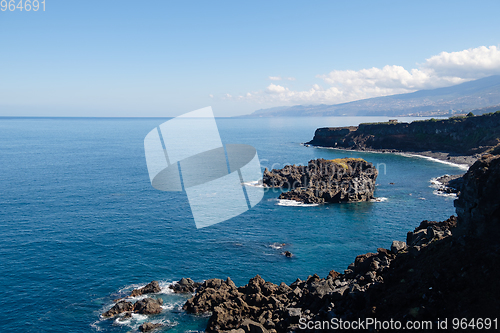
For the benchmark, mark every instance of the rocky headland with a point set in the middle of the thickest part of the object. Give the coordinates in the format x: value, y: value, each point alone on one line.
x: 458, y: 140
x: 325, y: 181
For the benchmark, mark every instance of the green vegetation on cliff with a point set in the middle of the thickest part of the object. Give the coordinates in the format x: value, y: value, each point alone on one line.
x: 343, y: 162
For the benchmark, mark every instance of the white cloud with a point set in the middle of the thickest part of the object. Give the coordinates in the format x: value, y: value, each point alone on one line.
x: 388, y: 80
x: 275, y: 89
x: 441, y: 70
x: 279, y: 78
x: 211, y: 96
x: 471, y: 63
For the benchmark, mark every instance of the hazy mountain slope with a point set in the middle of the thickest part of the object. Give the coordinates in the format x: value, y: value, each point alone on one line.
x: 472, y: 95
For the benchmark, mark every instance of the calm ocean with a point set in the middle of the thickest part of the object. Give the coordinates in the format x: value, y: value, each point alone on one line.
x: 81, y: 224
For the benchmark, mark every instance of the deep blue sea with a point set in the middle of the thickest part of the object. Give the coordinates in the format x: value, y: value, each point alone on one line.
x: 81, y: 224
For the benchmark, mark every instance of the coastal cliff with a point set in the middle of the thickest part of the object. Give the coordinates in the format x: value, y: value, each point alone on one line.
x: 325, y: 181
x: 458, y: 135
x: 444, y: 270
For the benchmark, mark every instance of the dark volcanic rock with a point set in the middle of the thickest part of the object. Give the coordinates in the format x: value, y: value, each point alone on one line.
x: 251, y: 326
x: 450, y: 184
x: 121, y: 306
x: 398, y: 246
x: 150, y: 288
x: 262, y: 306
x: 463, y: 136
x: 325, y: 181
x: 447, y: 269
x: 144, y: 306
x: 146, y: 327
x: 453, y: 181
x: 478, y: 206
x: 185, y: 285
x: 210, y: 294
x: 148, y: 306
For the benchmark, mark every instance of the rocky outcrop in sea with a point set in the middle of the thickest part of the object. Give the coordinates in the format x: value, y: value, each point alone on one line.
x: 145, y: 306
x: 325, y: 181
x: 185, y: 285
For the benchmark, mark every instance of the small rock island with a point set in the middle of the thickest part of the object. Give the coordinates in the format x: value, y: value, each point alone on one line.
x: 325, y: 181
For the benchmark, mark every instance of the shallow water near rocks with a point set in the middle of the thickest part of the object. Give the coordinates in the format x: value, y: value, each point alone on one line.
x: 82, y: 225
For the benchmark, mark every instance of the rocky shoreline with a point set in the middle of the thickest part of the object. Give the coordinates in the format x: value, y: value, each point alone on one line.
x: 460, y: 160
x: 262, y: 306
x: 443, y: 270
x: 455, y: 140
x: 450, y: 184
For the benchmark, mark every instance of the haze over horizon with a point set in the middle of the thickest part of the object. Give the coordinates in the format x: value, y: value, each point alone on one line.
x: 97, y: 58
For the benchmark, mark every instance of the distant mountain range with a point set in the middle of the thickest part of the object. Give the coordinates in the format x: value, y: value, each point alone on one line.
x: 479, y: 96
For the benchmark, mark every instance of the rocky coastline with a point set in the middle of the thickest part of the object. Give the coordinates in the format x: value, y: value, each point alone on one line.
x: 325, y: 181
x: 450, y: 184
x: 443, y: 270
x: 460, y: 160
x: 458, y: 140
x: 262, y: 306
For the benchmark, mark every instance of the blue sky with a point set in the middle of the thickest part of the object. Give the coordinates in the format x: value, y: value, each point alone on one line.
x: 165, y: 58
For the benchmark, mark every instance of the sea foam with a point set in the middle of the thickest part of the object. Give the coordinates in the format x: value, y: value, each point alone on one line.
x: 439, y: 187
x: 293, y: 203
x: 380, y: 199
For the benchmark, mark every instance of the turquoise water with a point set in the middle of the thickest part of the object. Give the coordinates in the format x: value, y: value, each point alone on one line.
x: 81, y: 224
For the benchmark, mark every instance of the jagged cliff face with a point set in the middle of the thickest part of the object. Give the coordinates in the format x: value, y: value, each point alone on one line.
x: 325, y: 181
x: 466, y: 136
x: 478, y: 206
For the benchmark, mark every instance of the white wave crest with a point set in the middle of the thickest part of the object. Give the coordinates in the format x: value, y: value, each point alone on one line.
x: 257, y: 183
x: 460, y: 166
x: 136, y: 317
x: 277, y: 246
x: 440, y: 188
x: 171, y: 306
x: 165, y: 287
x: 444, y: 194
x: 130, y: 287
x: 135, y: 320
x: 435, y: 183
x: 293, y: 203
x: 380, y: 199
